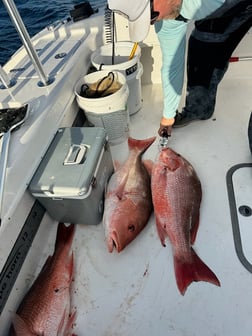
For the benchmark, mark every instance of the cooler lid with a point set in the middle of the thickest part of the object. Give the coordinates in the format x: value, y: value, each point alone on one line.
x: 68, y: 167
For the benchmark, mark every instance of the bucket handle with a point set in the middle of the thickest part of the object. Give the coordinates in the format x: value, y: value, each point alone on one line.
x: 100, y: 67
x: 98, y: 93
x: 111, y: 73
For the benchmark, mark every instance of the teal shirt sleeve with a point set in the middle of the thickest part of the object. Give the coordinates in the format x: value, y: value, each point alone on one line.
x: 198, y: 9
x: 172, y: 39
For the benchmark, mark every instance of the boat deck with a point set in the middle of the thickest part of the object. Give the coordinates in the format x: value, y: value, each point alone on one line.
x: 135, y: 292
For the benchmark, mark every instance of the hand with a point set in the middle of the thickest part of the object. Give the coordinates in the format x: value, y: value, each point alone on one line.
x: 167, y: 9
x: 166, y: 126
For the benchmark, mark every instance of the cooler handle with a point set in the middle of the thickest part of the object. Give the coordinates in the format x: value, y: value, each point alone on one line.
x: 75, y: 155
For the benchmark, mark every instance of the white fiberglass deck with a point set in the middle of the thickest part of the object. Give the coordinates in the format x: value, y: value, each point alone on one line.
x: 134, y: 292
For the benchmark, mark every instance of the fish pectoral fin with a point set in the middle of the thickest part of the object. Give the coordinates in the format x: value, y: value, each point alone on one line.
x: 121, y: 187
x: 161, y: 232
x: 194, y: 228
x: 67, y: 323
x: 63, y: 323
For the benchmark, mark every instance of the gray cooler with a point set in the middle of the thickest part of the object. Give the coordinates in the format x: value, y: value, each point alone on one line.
x: 71, y: 178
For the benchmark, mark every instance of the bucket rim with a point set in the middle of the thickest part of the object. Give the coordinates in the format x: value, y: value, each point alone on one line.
x: 110, y: 103
x: 105, y: 48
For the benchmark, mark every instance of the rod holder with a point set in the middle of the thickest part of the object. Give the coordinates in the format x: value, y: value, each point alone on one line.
x: 6, y: 81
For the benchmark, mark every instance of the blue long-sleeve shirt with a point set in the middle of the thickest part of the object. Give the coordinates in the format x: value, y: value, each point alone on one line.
x: 172, y: 39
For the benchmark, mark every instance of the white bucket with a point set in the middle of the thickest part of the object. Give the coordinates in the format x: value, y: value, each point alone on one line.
x: 109, y: 112
x: 132, y: 69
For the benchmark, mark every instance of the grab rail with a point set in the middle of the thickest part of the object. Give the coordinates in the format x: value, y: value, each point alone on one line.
x: 24, y: 36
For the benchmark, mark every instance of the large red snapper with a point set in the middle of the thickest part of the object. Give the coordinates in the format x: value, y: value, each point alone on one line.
x: 128, y: 203
x: 176, y: 193
x: 45, y: 310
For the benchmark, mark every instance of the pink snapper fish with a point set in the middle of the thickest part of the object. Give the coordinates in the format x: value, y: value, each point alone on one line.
x: 176, y: 193
x: 128, y: 203
x: 45, y: 310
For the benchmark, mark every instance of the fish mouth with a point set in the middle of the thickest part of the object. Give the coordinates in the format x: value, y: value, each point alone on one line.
x: 114, y: 242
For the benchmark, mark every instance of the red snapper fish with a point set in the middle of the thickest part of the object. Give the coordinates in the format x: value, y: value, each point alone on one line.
x: 176, y: 193
x: 128, y: 203
x: 45, y: 310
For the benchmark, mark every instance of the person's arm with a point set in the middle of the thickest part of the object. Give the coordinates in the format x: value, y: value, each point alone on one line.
x: 172, y: 38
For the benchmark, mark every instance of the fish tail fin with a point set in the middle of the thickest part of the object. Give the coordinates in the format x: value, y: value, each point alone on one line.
x: 140, y: 145
x: 195, y: 270
x: 65, y: 235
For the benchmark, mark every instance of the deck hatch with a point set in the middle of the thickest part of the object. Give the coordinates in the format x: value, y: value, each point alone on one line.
x: 239, y: 187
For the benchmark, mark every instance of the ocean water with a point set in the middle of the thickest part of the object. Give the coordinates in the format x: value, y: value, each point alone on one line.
x: 36, y: 15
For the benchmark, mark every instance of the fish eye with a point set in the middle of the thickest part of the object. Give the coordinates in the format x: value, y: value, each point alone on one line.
x: 131, y: 227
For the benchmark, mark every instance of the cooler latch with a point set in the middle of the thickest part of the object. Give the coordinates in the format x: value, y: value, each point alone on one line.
x: 76, y: 154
